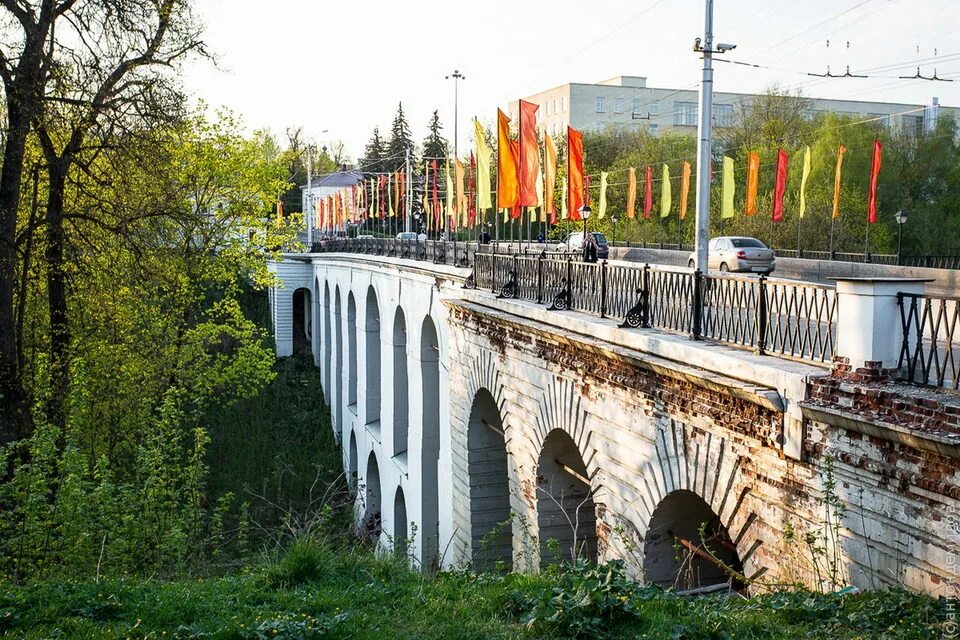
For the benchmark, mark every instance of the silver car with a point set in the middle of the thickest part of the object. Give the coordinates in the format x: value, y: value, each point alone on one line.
x: 729, y: 253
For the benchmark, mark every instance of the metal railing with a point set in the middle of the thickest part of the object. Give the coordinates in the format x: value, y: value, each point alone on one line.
x: 771, y: 316
x: 931, y: 330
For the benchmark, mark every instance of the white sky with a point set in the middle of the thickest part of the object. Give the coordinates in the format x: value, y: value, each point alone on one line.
x: 341, y: 67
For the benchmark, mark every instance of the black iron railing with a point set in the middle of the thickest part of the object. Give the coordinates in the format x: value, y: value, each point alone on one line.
x: 781, y: 317
x: 931, y: 331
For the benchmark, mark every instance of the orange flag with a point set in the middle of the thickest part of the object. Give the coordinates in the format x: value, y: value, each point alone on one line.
x: 631, y: 193
x: 529, y: 159
x: 836, y: 182
x: 874, y: 173
x: 515, y: 152
x: 753, y: 176
x: 279, y: 213
x: 574, y: 172
x: 780, y: 186
x: 684, y: 189
x: 507, y: 187
x: 550, y: 177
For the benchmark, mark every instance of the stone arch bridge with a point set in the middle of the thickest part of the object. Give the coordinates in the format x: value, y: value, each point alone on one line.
x: 495, y: 432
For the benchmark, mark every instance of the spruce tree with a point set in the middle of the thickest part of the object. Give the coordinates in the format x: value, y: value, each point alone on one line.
x: 400, y: 141
x: 374, y: 154
x: 434, y: 145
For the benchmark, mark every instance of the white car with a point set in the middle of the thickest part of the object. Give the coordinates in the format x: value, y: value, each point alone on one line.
x: 574, y: 243
x: 734, y: 253
x: 406, y: 235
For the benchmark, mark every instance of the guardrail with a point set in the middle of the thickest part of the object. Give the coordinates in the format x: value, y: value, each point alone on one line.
x: 771, y: 316
x: 929, y: 351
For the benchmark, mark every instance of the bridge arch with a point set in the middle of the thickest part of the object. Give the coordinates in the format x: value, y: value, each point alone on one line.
x: 338, y: 350
x: 491, y: 533
x: 352, y: 460
x: 401, y: 388
x: 373, y: 372
x: 566, y: 512
x: 302, y: 321
x: 327, y: 310
x: 351, y: 351
x: 686, y: 543
x: 372, y: 523
x: 430, y: 439
x: 316, y: 321
x: 401, y: 532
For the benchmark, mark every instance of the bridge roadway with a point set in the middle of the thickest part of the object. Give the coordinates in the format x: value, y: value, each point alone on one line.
x: 490, y: 431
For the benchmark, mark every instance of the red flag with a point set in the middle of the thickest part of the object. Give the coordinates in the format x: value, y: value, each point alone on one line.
x: 471, y: 196
x: 586, y: 190
x: 647, y: 192
x: 874, y: 173
x: 507, y: 188
x: 402, y: 200
x: 529, y: 156
x: 574, y: 173
x: 515, y: 150
x: 780, y: 185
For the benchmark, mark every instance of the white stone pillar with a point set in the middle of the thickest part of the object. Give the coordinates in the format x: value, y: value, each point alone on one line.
x: 869, y: 328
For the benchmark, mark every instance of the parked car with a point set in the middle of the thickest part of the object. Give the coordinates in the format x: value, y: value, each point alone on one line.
x: 407, y: 235
x: 574, y: 243
x: 365, y: 236
x: 728, y: 253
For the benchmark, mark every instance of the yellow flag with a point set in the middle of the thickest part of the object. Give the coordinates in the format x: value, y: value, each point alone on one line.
x: 665, y: 195
x: 631, y: 193
x: 726, y: 207
x: 390, y: 212
x: 279, y: 213
x: 836, y: 182
x: 540, y: 200
x: 603, y: 195
x: 450, y: 195
x: 803, y: 181
x: 563, y: 200
x: 550, y: 177
x: 484, y: 153
x: 461, y: 206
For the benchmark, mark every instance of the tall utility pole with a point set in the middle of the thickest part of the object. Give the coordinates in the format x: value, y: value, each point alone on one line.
x: 308, y: 198
x: 457, y: 76
x: 408, y: 189
x: 704, y: 152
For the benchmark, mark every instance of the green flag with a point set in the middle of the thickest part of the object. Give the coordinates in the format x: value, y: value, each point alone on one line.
x: 665, y: 199
x: 726, y: 208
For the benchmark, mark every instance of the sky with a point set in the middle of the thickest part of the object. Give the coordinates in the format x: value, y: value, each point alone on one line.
x: 338, y: 69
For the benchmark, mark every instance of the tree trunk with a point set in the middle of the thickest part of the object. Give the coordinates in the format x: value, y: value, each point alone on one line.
x: 57, y: 302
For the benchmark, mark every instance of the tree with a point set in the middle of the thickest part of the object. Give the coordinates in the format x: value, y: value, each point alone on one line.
x: 375, y: 154
x: 434, y: 145
x: 400, y: 141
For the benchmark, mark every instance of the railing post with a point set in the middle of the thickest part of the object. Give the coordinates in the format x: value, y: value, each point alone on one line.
x: 540, y: 278
x: 603, y: 289
x: 493, y: 274
x: 697, y: 312
x: 645, y: 296
x: 570, y: 279
x: 762, y: 317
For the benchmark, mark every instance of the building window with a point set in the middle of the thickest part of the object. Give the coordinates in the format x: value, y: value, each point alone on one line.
x: 723, y: 115
x: 563, y: 104
x: 618, y: 105
x: 636, y: 107
x: 913, y: 125
x: 546, y: 107
x: 600, y: 106
x: 598, y: 127
x: 654, y: 108
x: 654, y: 129
x: 555, y: 106
x: 685, y: 114
x: 881, y: 118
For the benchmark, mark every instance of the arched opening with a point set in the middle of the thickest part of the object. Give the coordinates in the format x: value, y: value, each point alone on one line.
x: 327, y: 342
x: 687, y: 547
x: 302, y: 321
x: 430, y: 439
x: 401, y: 390
x: 372, y: 348
x: 491, y: 531
x: 338, y: 324
x: 351, y: 352
x: 316, y: 322
x: 401, y: 533
x: 352, y: 461
x: 371, y: 525
x: 566, y: 514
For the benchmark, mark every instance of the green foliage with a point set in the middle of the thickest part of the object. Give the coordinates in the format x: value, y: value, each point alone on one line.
x: 375, y: 154
x: 434, y: 145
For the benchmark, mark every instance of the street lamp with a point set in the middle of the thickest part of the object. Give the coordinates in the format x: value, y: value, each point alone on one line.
x: 585, y: 212
x: 901, y: 218
x: 457, y: 77
x: 613, y: 219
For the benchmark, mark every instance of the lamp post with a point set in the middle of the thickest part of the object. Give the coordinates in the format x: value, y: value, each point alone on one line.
x: 457, y: 77
x: 901, y: 218
x: 585, y: 212
x: 613, y: 219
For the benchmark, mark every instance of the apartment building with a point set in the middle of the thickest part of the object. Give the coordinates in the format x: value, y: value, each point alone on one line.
x: 627, y: 101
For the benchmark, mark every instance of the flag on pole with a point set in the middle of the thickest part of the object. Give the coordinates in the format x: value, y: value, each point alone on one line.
x: 529, y: 158
x: 460, y: 208
x: 540, y: 197
x: 647, y: 191
x: 602, y: 213
x: 436, y: 194
x: 515, y: 150
x: 449, y: 212
x: 563, y: 201
x: 726, y: 208
x: 780, y: 186
x: 874, y: 174
x: 279, y: 213
x: 550, y: 177
x: 507, y: 187
x: 574, y: 173
x: 753, y: 180
x: 836, y: 182
x: 484, y: 201
x: 471, y: 194
x: 803, y: 181
x: 631, y: 192
x: 684, y: 189
x: 666, y: 199
x: 426, y: 194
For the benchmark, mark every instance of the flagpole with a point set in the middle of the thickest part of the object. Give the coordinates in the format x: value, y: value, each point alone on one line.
x: 832, y: 221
